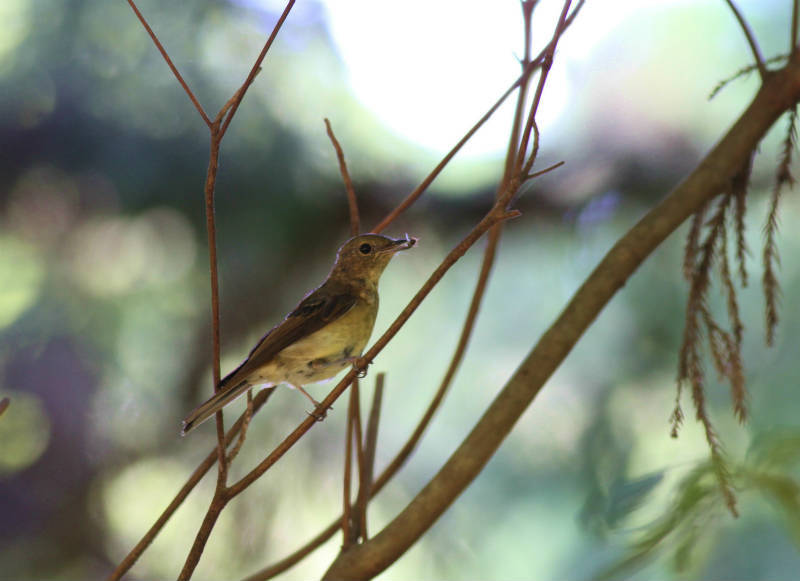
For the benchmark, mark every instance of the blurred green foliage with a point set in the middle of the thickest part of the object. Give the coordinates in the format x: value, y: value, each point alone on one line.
x: 104, y: 309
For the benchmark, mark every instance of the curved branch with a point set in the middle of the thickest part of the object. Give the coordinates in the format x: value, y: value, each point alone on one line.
x: 780, y: 92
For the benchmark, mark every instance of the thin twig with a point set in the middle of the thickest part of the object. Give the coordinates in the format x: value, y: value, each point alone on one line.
x: 541, y: 172
x: 370, y: 446
x: 211, y: 230
x: 248, y: 416
x: 169, y: 62
x: 218, y: 503
x: 357, y: 524
x: 291, y: 560
x: 762, y: 68
x: 523, y: 167
x: 256, y: 67
x: 4, y: 403
x: 793, y: 41
x: 258, y: 401
x: 348, y: 470
x: 516, y: 125
x: 420, y: 189
x: 352, y: 201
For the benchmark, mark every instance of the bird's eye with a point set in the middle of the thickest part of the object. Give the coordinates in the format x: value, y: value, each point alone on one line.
x: 365, y: 248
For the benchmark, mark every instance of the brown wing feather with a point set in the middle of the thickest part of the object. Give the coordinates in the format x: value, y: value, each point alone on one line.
x: 314, y: 312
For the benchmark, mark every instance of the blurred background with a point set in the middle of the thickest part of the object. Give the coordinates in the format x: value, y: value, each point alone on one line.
x: 104, y: 294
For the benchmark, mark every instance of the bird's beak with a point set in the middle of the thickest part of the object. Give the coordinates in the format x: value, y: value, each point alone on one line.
x: 402, y: 244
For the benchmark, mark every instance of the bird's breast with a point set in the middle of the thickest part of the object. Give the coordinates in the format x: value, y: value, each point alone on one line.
x: 324, y: 353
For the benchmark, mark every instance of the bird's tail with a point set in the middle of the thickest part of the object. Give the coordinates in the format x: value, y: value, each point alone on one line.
x: 207, y: 409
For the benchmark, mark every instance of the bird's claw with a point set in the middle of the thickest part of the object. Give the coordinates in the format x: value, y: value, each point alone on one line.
x: 319, y: 413
x: 360, y: 364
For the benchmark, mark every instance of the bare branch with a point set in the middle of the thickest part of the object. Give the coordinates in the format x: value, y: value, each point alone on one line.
x: 762, y: 68
x: 169, y: 62
x: 248, y: 416
x: 348, y: 468
x: 352, y: 201
x: 524, y: 167
x: 420, y: 189
x: 256, y: 67
x: 258, y: 401
x: 367, y: 471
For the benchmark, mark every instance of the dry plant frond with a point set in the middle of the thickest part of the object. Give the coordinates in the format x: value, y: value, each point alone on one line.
x: 699, y: 260
x: 770, y: 255
x: 728, y: 288
x: 692, y: 242
x: 739, y: 186
x: 700, y: 278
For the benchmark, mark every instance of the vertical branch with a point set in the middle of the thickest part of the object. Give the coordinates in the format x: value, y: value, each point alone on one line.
x: 370, y: 446
x: 348, y: 470
x: 793, y: 36
x: 211, y: 230
x: 352, y: 202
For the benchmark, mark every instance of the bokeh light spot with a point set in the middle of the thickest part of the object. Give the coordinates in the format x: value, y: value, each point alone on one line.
x: 43, y: 205
x: 22, y: 273
x: 24, y: 431
x: 116, y: 255
x: 15, y: 16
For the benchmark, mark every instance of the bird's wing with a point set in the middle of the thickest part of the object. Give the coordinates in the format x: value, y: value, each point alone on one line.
x: 319, y: 308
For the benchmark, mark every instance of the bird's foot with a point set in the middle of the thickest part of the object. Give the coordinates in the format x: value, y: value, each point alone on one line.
x: 319, y: 413
x: 360, y: 364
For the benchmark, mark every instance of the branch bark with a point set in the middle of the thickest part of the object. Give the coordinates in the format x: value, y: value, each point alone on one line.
x: 780, y: 92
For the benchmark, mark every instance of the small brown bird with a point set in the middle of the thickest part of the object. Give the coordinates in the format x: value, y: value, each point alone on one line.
x: 325, y: 333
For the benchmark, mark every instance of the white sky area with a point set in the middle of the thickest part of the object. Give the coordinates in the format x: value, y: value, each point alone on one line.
x: 429, y: 69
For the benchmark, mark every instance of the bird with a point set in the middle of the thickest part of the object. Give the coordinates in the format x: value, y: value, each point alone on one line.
x: 326, y: 331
